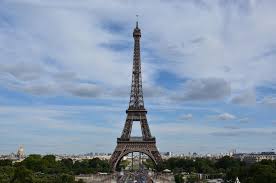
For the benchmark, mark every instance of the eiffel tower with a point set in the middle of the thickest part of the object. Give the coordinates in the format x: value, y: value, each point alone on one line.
x: 136, y: 112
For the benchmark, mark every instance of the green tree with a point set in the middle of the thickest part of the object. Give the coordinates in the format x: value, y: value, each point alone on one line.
x: 22, y: 175
x: 64, y: 178
x: 6, y: 174
x: 34, y: 163
x: 178, y: 178
x: 227, y: 162
x: 6, y: 162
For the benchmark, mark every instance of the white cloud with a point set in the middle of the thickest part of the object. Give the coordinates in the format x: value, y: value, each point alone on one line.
x: 228, y: 117
x: 22, y: 71
x: 204, y: 89
x: 186, y: 117
x: 244, y: 120
x: 245, y: 98
x: 269, y: 100
x: 85, y: 90
x: 56, y: 48
x: 49, y: 128
x: 232, y: 127
x: 225, y: 117
x: 228, y: 40
x: 56, y: 126
x: 195, y: 129
x: 246, y: 132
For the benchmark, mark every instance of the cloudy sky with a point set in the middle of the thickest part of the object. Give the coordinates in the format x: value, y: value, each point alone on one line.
x: 208, y: 74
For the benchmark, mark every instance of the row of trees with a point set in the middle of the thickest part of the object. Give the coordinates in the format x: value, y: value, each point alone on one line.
x: 38, y: 169
x: 228, y: 168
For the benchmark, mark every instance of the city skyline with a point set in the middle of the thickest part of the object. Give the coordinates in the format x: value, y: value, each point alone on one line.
x: 208, y: 74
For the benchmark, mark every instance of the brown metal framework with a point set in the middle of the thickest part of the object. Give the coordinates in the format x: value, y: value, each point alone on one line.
x: 136, y: 113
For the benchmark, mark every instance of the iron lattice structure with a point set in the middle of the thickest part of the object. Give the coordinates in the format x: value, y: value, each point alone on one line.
x: 136, y: 112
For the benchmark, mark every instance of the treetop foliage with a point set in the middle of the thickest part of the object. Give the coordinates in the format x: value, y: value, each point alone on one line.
x: 45, y: 169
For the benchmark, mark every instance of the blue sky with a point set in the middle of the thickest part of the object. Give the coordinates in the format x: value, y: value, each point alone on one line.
x: 208, y: 74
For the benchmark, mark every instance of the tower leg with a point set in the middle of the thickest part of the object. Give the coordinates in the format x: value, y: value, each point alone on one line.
x: 127, y: 129
x: 140, y: 164
x: 132, y: 161
x: 145, y: 129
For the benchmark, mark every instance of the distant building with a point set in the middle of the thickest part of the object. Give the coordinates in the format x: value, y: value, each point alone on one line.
x: 14, y: 157
x: 169, y: 154
x: 215, y: 181
x: 255, y: 157
x: 20, y: 153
